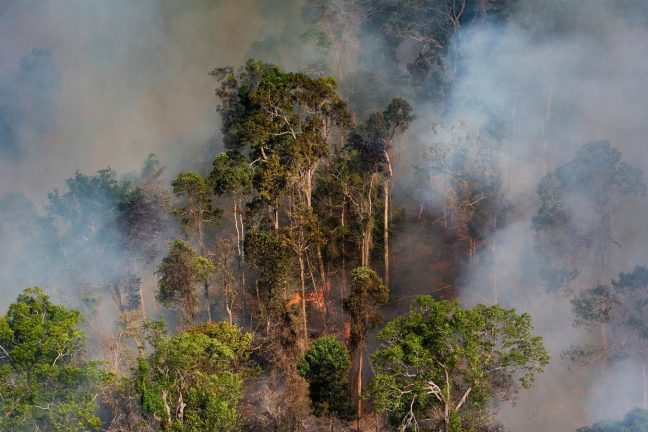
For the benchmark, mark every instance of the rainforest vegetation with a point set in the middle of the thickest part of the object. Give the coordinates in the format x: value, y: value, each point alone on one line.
x: 363, y: 244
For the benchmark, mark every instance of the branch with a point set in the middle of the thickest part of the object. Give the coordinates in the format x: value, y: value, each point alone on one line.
x: 5, y: 352
x: 463, y: 399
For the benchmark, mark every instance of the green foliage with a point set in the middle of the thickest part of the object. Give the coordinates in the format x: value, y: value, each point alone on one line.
x: 178, y: 273
x: 193, y: 382
x: 367, y: 292
x: 283, y: 118
x: 442, y: 358
x: 267, y: 252
x: 196, y: 208
x: 231, y: 174
x: 634, y: 421
x: 326, y: 366
x: 44, y: 382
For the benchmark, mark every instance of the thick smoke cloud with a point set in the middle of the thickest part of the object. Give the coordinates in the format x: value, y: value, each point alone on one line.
x: 84, y: 85
x: 552, y: 87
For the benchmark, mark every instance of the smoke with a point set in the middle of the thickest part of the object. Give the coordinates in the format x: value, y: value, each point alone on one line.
x: 85, y: 85
x: 91, y: 84
x: 554, y: 80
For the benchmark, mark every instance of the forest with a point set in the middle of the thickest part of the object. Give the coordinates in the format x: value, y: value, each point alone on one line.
x: 323, y: 215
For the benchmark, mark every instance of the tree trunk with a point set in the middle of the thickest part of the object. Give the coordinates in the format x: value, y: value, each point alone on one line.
x: 359, y: 384
x: 201, y: 245
x: 309, y: 187
x: 367, y: 233
x: 303, y: 295
x: 228, y: 305
x: 238, y: 232
x: 207, y: 306
x: 386, y: 232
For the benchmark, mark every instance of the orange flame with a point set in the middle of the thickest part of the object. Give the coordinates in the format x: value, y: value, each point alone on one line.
x: 296, y: 299
x: 316, y: 298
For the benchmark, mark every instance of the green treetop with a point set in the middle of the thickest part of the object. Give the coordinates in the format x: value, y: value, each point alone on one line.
x: 45, y: 385
x: 440, y: 365
x: 193, y: 382
x: 325, y: 366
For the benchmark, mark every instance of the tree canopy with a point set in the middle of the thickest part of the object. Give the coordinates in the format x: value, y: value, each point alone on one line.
x: 439, y: 366
x: 45, y: 383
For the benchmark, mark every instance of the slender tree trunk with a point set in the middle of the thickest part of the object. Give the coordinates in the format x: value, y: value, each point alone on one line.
x: 309, y: 188
x: 303, y: 295
x: 359, y: 384
x: 201, y: 245
x: 273, y: 213
x: 367, y: 236
x: 207, y: 305
x: 228, y: 305
x: 343, y: 283
x: 238, y: 232
x: 324, y: 282
x: 386, y: 232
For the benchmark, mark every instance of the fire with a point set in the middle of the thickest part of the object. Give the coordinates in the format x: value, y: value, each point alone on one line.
x: 296, y: 299
x: 316, y: 298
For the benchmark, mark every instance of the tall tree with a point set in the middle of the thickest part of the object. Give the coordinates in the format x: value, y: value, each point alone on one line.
x: 195, y: 212
x: 367, y: 292
x: 232, y: 174
x: 178, y: 273
x: 439, y: 366
x: 282, y: 117
x: 398, y: 116
x: 44, y: 382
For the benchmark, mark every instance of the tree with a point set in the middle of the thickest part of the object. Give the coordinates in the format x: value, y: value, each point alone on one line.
x: 439, y: 366
x: 44, y: 382
x: 325, y: 366
x: 116, y: 221
x: 299, y: 236
x: 195, y: 211
x: 335, y: 28
x: 178, y: 274
x: 635, y: 420
x: 232, y: 174
x: 193, y: 381
x: 286, y: 119
x: 619, y: 309
x: 577, y: 204
x: 398, y: 116
x: 430, y: 24
x: 464, y: 170
x: 267, y: 252
x: 367, y: 292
